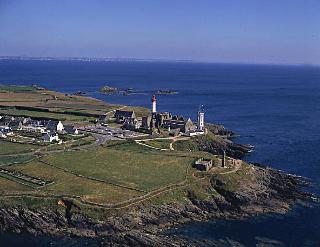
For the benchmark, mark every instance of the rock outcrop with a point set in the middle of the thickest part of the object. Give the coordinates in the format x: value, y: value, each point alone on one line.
x: 145, y: 225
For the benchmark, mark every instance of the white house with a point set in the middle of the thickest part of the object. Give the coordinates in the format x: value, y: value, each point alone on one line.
x: 50, y: 137
x: 5, y: 131
x: 2, y: 135
x: 194, y: 133
x: 37, y: 129
x: 53, y: 125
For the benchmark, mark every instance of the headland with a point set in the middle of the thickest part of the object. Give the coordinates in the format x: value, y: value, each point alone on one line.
x: 74, y: 166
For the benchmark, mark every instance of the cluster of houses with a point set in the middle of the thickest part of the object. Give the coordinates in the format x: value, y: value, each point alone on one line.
x: 48, y: 128
x: 173, y: 123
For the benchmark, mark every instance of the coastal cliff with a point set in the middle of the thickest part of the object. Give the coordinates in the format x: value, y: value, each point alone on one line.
x: 144, y: 211
x: 258, y: 190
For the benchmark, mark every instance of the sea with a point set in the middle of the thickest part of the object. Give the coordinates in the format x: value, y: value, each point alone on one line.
x: 276, y: 108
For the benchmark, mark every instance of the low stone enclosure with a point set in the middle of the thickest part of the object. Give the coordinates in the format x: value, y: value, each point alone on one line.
x: 31, y: 181
x: 203, y: 164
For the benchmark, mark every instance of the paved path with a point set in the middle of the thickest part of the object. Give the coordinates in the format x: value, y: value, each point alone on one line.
x: 100, y: 139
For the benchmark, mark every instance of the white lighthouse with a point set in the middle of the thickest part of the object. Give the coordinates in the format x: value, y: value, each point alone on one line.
x: 154, y: 104
x: 201, y: 118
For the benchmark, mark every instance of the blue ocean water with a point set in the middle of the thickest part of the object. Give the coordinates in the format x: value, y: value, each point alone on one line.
x: 275, y: 108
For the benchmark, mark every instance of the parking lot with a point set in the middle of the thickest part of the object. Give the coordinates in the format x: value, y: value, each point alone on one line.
x: 111, y: 132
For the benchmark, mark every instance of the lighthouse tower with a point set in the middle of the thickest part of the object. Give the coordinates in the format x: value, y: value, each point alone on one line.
x: 154, y: 105
x: 153, y: 113
x: 201, y: 118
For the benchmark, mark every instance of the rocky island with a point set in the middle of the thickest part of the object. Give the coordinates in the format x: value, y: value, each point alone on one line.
x: 166, y: 91
x: 124, y: 188
x: 109, y: 90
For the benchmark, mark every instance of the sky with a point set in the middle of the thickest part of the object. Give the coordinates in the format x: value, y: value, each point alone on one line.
x: 236, y: 31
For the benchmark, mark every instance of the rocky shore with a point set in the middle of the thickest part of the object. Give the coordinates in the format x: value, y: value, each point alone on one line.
x: 269, y: 191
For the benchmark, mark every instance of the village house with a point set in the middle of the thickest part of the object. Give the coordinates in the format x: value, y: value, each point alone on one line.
x: 5, y: 120
x: 177, y: 123
x: 131, y: 124
x: 15, y: 124
x: 102, y: 119
x: 53, y: 125
x: 36, y: 129
x: 122, y: 116
x: 194, y: 133
x: 2, y: 134
x: 5, y: 131
x: 161, y: 117
x: 33, y: 122
x: 71, y: 130
x: 145, y: 123
x: 50, y: 137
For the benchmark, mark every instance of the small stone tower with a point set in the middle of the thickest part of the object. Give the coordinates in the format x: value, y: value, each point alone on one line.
x: 224, y: 159
x: 201, y: 118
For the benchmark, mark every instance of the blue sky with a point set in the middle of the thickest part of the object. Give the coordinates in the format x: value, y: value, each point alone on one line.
x: 250, y: 31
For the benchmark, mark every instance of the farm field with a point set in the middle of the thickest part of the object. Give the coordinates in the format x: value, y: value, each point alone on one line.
x: 43, y: 114
x: 162, y: 144
x: 6, y: 160
x: 15, y: 148
x: 66, y: 184
x: 106, y: 175
x: 61, y: 106
x: 144, y: 169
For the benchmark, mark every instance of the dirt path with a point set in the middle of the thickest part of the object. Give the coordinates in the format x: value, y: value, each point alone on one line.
x: 235, y: 169
x: 132, y: 201
x: 174, y: 139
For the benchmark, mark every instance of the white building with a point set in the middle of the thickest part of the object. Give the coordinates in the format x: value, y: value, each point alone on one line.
x: 5, y: 131
x: 194, y: 133
x: 37, y: 129
x: 154, y: 104
x: 2, y: 135
x: 50, y: 137
x: 53, y: 125
x: 201, y: 119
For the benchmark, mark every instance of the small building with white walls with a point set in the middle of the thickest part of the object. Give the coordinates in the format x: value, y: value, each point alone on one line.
x: 50, y: 137
x: 54, y: 125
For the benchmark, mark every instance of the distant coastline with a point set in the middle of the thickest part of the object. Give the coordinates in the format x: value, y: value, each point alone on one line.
x: 93, y: 59
x: 154, y: 60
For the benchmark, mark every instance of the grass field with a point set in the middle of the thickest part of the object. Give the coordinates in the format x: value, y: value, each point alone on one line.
x: 61, y: 105
x: 125, y: 169
x: 123, y: 163
x: 16, y: 89
x: 15, y: 148
x: 70, y: 185
x: 10, y: 186
x: 162, y: 144
x: 78, y: 142
x: 42, y: 114
x: 144, y: 170
x: 233, y: 180
x: 5, y: 160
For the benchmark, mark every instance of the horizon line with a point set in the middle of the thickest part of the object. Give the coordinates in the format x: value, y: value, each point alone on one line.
x: 133, y: 59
